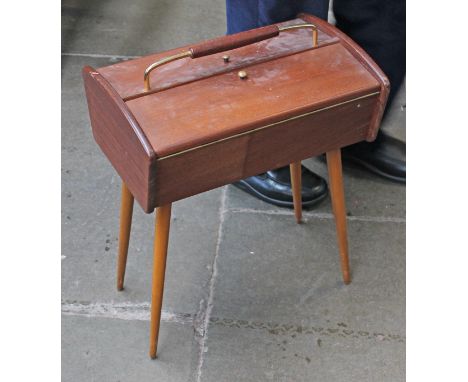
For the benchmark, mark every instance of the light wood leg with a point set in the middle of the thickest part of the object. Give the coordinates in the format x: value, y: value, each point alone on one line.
x: 338, y: 202
x: 296, y: 183
x: 161, y: 240
x: 126, y: 211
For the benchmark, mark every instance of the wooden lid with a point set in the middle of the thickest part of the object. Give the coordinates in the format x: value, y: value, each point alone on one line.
x: 194, y: 102
x: 126, y: 77
x: 224, y: 105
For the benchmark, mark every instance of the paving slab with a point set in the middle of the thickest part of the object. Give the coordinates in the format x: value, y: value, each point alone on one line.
x: 257, y: 355
x: 88, y: 269
x: 139, y: 27
x: 269, y: 269
x: 103, y: 349
x: 90, y: 212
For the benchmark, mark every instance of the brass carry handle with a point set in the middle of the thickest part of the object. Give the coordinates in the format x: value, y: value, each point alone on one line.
x: 237, y: 41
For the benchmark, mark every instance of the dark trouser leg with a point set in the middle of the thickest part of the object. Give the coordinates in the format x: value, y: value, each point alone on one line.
x: 248, y: 14
x: 379, y: 27
x: 274, y: 187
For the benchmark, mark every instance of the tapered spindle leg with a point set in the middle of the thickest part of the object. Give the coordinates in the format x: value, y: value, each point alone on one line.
x: 296, y: 183
x: 338, y: 202
x: 161, y: 240
x: 126, y: 211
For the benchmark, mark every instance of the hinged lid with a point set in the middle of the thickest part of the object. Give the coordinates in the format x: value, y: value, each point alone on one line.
x: 195, y: 101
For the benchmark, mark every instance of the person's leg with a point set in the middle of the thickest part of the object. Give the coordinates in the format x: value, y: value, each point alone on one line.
x: 243, y: 15
x: 379, y: 27
x: 275, y: 186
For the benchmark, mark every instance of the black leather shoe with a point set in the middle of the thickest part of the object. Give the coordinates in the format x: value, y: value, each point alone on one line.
x: 274, y: 187
x: 386, y: 156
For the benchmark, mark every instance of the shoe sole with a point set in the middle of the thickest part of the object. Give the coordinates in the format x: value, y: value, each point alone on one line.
x: 280, y: 203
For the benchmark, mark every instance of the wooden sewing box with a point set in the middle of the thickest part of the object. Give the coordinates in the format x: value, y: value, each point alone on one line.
x: 181, y: 122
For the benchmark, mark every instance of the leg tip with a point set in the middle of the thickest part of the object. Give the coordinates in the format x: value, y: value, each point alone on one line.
x: 346, y: 276
x: 120, y: 288
x: 298, y: 217
x: 153, y: 350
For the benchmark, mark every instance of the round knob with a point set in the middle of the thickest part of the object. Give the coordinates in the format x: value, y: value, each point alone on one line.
x: 226, y: 58
x: 242, y: 74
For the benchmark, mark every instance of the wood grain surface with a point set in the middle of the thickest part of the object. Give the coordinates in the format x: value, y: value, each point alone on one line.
x: 127, y: 76
x: 120, y: 137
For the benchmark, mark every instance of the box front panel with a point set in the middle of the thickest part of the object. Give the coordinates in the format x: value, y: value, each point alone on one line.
x: 223, y: 162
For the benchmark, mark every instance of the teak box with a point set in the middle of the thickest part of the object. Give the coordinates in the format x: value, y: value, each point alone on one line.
x: 203, y: 126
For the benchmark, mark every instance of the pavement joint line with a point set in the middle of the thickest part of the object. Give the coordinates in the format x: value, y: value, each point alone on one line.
x: 93, y: 55
x: 339, y: 330
x: 214, y: 274
x: 141, y: 312
x: 319, y: 215
x: 122, y: 311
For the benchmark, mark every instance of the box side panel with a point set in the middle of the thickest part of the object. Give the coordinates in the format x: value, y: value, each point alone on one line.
x: 191, y: 172
x: 119, y: 136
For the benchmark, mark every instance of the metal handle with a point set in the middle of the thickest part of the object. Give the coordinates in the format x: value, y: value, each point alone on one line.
x: 189, y: 53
